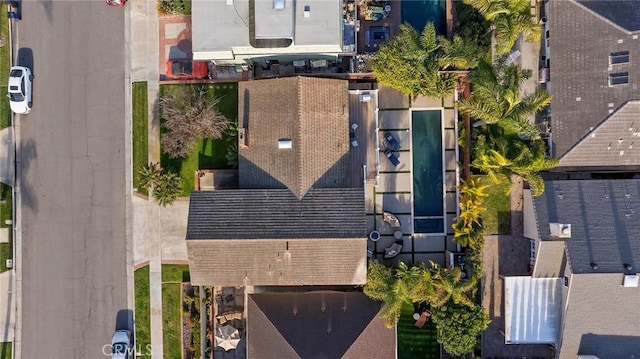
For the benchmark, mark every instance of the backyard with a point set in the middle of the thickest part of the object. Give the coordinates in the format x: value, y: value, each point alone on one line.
x: 497, y: 218
x: 413, y: 342
x: 209, y: 154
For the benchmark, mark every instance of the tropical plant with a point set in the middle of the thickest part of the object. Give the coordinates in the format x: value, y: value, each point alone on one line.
x: 459, y: 326
x: 500, y: 154
x: 509, y: 19
x: 450, y: 286
x: 413, y: 62
x: 189, y: 115
x: 168, y: 189
x: 149, y: 175
x: 496, y: 99
x: 467, y: 228
x: 382, y: 285
x: 165, y: 186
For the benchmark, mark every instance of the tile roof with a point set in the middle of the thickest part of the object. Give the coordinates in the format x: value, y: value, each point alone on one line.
x: 603, y: 215
x: 317, y: 325
x: 601, y: 318
x: 550, y: 259
x: 613, y: 142
x: 623, y: 13
x: 582, y: 35
x: 311, y: 112
x: 265, y: 262
x: 276, y: 214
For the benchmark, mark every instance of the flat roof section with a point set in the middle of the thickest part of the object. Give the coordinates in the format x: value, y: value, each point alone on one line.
x: 221, y: 28
x: 274, y: 19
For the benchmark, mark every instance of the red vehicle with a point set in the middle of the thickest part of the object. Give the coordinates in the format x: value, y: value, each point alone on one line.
x: 116, y: 2
x: 187, y: 69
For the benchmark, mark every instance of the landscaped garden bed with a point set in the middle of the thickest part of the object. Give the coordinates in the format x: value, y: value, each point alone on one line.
x: 190, y: 321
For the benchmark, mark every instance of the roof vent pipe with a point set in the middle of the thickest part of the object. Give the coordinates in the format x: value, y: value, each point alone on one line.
x: 628, y: 266
x: 594, y: 266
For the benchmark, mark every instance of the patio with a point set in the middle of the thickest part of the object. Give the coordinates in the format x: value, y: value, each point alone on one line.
x: 391, y: 188
x: 229, y: 309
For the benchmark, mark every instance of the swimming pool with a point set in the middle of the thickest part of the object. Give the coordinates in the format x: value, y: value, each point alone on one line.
x: 419, y: 12
x: 428, y: 174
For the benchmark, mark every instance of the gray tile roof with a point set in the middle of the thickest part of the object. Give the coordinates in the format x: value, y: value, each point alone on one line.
x: 604, y: 217
x: 614, y: 142
x: 581, y: 41
x: 601, y: 318
x: 311, y: 112
x: 317, y: 325
x: 276, y: 214
x: 624, y: 13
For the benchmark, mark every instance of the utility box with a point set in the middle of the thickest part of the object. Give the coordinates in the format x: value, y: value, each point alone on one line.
x: 9, y: 263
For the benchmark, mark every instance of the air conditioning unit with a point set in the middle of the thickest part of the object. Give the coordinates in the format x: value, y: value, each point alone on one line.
x: 560, y: 230
x: 630, y: 281
x: 9, y: 263
x: 365, y: 97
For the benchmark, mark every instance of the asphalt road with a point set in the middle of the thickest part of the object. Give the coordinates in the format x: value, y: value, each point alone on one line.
x: 72, y: 161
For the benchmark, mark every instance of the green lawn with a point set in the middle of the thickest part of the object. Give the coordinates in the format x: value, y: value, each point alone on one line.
x: 416, y: 343
x: 210, y: 154
x: 140, y: 131
x: 171, y: 321
x: 5, y: 350
x: 6, y: 211
x: 143, y: 310
x: 5, y: 64
x: 175, y: 273
x: 497, y: 218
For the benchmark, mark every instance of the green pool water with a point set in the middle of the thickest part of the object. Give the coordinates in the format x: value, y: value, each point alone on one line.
x: 418, y: 13
x: 428, y: 185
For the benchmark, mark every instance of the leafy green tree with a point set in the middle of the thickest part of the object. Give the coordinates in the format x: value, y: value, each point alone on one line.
x: 459, y: 326
x: 383, y: 285
x: 413, y: 62
x: 501, y: 154
x: 510, y: 19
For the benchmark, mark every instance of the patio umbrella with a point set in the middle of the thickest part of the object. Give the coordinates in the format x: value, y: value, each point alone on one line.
x: 227, y: 337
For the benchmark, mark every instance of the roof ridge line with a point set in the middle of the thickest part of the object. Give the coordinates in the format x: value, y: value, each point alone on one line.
x: 300, y: 192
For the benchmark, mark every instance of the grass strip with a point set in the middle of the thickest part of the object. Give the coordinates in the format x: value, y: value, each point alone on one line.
x: 171, y: 322
x: 140, y: 131
x: 143, y: 312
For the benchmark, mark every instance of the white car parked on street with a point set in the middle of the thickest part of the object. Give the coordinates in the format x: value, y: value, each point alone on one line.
x: 20, y: 89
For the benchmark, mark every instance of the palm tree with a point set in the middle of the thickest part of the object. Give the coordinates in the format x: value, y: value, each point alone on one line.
x: 509, y: 19
x: 501, y: 154
x: 149, y: 175
x: 450, y: 286
x: 168, y: 189
x: 496, y: 99
x: 416, y: 63
x: 383, y: 285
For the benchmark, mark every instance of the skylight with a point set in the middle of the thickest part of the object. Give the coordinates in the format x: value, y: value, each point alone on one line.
x: 619, y: 78
x: 621, y: 57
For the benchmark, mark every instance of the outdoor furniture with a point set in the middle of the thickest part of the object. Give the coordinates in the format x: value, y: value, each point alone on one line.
x: 354, y: 143
x: 391, y: 218
x: 391, y: 140
x: 397, y: 234
x: 392, y: 157
x: 354, y: 126
x: 423, y: 318
x: 227, y: 337
x: 393, y: 250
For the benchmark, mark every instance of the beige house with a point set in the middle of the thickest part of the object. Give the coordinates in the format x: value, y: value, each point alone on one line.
x: 295, y: 219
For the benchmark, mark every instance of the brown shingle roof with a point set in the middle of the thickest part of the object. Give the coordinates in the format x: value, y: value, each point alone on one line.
x: 317, y: 325
x: 311, y: 112
x: 317, y: 261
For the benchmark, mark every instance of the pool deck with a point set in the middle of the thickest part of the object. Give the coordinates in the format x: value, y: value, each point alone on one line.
x: 394, y: 190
